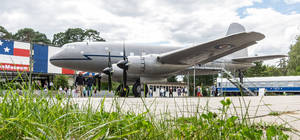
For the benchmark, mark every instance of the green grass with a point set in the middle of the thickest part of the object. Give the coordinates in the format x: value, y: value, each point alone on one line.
x: 274, y: 113
x: 58, y: 117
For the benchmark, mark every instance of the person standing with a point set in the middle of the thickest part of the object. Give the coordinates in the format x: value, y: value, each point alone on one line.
x: 185, y: 91
x: 179, y: 91
x: 199, y: 91
x: 170, y: 92
x: 162, y: 91
x: 89, y: 83
x: 51, y: 85
x: 79, y: 82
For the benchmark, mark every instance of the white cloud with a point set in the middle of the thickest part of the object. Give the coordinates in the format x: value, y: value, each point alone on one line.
x: 280, y: 30
x: 171, y: 21
x: 291, y: 1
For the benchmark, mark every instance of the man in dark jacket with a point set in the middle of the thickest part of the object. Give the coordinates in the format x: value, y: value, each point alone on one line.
x: 90, y: 82
x: 79, y: 82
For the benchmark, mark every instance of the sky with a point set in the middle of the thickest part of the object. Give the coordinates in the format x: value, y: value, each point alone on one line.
x: 162, y: 22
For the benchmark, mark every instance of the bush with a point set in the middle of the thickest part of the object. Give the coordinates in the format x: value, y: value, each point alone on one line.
x: 61, y: 81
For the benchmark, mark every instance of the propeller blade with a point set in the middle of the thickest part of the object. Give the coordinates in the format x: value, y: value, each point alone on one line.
x: 124, y: 65
x: 110, y: 72
x: 124, y: 53
x: 109, y: 60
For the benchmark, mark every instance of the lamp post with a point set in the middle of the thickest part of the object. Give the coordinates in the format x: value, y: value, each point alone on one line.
x: 194, y: 88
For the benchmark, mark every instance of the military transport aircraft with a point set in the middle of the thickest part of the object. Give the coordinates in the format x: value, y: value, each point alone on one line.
x: 140, y: 63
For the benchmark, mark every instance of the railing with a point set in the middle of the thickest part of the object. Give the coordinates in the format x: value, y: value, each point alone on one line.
x: 237, y: 83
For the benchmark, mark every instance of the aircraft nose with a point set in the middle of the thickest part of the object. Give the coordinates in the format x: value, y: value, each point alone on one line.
x: 55, y: 59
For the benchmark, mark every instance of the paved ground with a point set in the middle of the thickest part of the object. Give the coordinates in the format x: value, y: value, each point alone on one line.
x: 287, y: 108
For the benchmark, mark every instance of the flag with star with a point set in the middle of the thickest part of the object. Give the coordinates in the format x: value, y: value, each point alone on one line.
x: 14, y: 56
x: 6, y: 47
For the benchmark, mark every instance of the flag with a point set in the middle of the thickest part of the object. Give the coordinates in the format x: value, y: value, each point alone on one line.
x: 14, y: 56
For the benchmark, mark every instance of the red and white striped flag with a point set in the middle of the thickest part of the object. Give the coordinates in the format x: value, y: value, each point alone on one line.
x: 14, y: 56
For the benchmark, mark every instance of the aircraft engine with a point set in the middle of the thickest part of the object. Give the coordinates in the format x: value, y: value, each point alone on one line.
x: 148, y: 65
x: 117, y: 72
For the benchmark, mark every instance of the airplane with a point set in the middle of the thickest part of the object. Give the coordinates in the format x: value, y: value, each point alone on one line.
x: 146, y: 64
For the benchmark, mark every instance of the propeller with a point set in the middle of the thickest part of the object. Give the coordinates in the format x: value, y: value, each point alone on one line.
x: 108, y: 71
x: 123, y: 64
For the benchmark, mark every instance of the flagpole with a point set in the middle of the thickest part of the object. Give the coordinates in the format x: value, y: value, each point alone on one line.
x: 30, y: 67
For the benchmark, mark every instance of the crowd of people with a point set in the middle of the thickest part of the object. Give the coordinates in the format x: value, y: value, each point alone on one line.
x: 162, y: 91
x: 83, y: 87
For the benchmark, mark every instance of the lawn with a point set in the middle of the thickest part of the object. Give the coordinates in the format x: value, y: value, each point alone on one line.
x: 58, y: 117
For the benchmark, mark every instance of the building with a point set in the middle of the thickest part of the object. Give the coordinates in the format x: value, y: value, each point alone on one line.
x: 15, y: 62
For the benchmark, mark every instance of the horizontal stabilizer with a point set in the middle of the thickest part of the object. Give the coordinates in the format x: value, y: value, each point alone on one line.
x: 257, y: 58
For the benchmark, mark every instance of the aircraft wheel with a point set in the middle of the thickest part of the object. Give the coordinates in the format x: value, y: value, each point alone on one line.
x: 122, y: 93
x: 136, y: 89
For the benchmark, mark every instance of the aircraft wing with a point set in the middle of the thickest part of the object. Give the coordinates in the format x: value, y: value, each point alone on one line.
x: 257, y: 58
x: 212, y: 50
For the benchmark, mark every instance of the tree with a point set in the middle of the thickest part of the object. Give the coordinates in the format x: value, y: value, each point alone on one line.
x: 294, y: 58
x: 76, y: 35
x: 4, y: 34
x: 59, y: 39
x: 28, y: 34
x: 201, y: 80
x: 61, y: 81
x: 272, y: 71
x: 172, y: 79
x: 92, y: 35
x: 283, y: 66
x: 69, y: 36
x: 256, y: 71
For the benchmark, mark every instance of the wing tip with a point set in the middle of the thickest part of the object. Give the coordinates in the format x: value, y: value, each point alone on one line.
x: 258, y: 36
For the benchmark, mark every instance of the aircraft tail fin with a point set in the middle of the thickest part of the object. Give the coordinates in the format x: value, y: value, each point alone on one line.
x: 235, y: 28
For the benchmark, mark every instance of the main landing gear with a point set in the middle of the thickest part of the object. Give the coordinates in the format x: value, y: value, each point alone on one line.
x: 123, y: 92
x: 138, y: 88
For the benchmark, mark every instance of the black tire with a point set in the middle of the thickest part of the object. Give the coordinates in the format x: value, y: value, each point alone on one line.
x: 136, y: 89
x: 120, y: 91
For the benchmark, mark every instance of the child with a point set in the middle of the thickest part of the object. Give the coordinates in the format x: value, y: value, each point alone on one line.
x: 74, y: 93
x: 84, y: 91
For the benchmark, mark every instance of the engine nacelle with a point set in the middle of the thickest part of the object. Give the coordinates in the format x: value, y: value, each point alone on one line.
x: 117, y: 72
x: 149, y: 65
